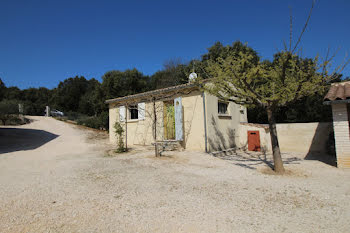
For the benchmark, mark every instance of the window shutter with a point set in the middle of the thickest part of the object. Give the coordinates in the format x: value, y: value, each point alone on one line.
x: 141, y: 109
x: 122, y: 113
x: 179, y: 135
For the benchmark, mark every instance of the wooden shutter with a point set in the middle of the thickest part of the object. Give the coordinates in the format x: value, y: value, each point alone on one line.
x: 122, y: 113
x: 178, y: 119
x: 141, y: 109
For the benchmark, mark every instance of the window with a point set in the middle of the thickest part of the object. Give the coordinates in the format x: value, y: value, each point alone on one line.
x: 133, y: 112
x: 222, y: 108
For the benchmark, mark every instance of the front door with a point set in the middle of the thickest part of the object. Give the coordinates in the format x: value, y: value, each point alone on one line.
x: 253, y: 141
x: 169, y: 121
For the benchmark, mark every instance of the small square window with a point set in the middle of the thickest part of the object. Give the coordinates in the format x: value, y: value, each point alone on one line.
x: 133, y: 112
x: 222, y: 108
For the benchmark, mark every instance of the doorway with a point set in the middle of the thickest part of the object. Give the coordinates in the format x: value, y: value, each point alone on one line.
x: 254, y: 141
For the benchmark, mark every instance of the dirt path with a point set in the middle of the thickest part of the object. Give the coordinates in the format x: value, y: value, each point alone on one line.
x: 62, y: 181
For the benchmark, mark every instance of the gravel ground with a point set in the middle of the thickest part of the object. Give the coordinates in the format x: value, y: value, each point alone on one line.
x: 58, y: 177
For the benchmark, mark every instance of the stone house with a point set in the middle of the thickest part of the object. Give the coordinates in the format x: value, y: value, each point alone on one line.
x: 184, y: 113
x: 338, y: 97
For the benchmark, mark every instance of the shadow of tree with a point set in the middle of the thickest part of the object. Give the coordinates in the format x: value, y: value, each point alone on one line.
x: 15, y: 139
x: 251, y: 160
x: 217, y: 141
x: 323, y: 151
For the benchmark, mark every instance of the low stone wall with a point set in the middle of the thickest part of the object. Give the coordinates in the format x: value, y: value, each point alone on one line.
x: 303, y: 138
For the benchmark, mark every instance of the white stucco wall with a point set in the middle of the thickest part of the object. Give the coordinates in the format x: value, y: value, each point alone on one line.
x: 140, y: 132
x: 223, y: 130
x: 303, y: 138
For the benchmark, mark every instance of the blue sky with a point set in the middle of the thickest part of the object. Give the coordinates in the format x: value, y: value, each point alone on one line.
x: 45, y: 42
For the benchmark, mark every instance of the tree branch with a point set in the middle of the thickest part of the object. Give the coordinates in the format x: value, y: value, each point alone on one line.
x: 305, y: 26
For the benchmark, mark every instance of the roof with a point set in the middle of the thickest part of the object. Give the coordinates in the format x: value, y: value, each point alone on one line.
x: 338, y: 92
x: 155, y: 93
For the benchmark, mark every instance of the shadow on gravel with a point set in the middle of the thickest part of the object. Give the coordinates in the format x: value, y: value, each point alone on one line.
x: 252, y: 160
x: 14, y: 139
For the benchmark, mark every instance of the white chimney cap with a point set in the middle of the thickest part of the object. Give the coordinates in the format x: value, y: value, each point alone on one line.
x: 192, y: 77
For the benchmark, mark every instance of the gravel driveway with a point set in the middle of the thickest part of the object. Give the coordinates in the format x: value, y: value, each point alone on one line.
x: 57, y: 177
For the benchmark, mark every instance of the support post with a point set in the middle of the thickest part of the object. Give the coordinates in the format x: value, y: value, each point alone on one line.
x: 126, y: 127
x: 47, y: 111
x: 205, y: 125
x: 155, y: 127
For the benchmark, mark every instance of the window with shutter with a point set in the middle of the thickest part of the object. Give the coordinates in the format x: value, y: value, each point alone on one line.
x: 133, y: 112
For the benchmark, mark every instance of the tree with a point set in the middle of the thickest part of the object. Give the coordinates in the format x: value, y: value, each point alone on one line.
x: 12, y: 93
x: 35, y: 100
x: 88, y: 103
x: 68, y: 93
x: 8, y: 108
x: 2, y: 89
x: 268, y: 84
x: 117, y: 83
x: 77, y: 95
x: 174, y: 72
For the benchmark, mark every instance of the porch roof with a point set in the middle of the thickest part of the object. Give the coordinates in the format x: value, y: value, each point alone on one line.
x: 158, y: 94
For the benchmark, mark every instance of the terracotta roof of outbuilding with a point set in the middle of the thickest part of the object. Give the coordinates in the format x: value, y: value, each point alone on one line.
x: 338, y: 91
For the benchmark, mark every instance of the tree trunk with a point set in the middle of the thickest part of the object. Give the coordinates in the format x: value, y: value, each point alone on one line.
x: 277, y: 159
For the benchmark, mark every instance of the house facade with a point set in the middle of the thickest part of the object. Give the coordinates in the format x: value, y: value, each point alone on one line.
x: 338, y: 97
x: 184, y: 113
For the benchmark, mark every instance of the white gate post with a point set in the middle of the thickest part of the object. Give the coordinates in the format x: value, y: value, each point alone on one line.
x: 47, y: 111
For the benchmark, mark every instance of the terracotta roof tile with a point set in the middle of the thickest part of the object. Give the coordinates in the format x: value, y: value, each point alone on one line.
x: 338, y: 91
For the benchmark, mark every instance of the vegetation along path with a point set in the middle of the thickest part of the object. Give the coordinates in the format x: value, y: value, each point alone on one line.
x: 57, y: 177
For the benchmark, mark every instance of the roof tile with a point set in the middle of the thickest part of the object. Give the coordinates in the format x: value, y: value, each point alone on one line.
x: 338, y: 91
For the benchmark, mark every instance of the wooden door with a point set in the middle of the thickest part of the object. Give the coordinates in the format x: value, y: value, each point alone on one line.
x: 169, y: 121
x: 254, y: 141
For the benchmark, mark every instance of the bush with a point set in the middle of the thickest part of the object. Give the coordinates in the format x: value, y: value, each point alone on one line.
x: 119, y: 131
x: 89, y: 122
x: 96, y: 122
x: 104, y: 120
x: 8, y: 111
x: 74, y: 116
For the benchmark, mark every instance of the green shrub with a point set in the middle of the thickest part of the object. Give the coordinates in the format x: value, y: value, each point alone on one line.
x: 104, y: 120
x: 74, y: 116
x: 119, y: 131
x: 8, y: 111
x: 96, y: 122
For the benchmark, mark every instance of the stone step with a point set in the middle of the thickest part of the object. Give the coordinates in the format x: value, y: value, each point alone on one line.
x: 169, y: 145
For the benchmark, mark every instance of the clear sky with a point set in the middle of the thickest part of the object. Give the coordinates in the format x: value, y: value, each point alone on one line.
x: 44, y: 42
